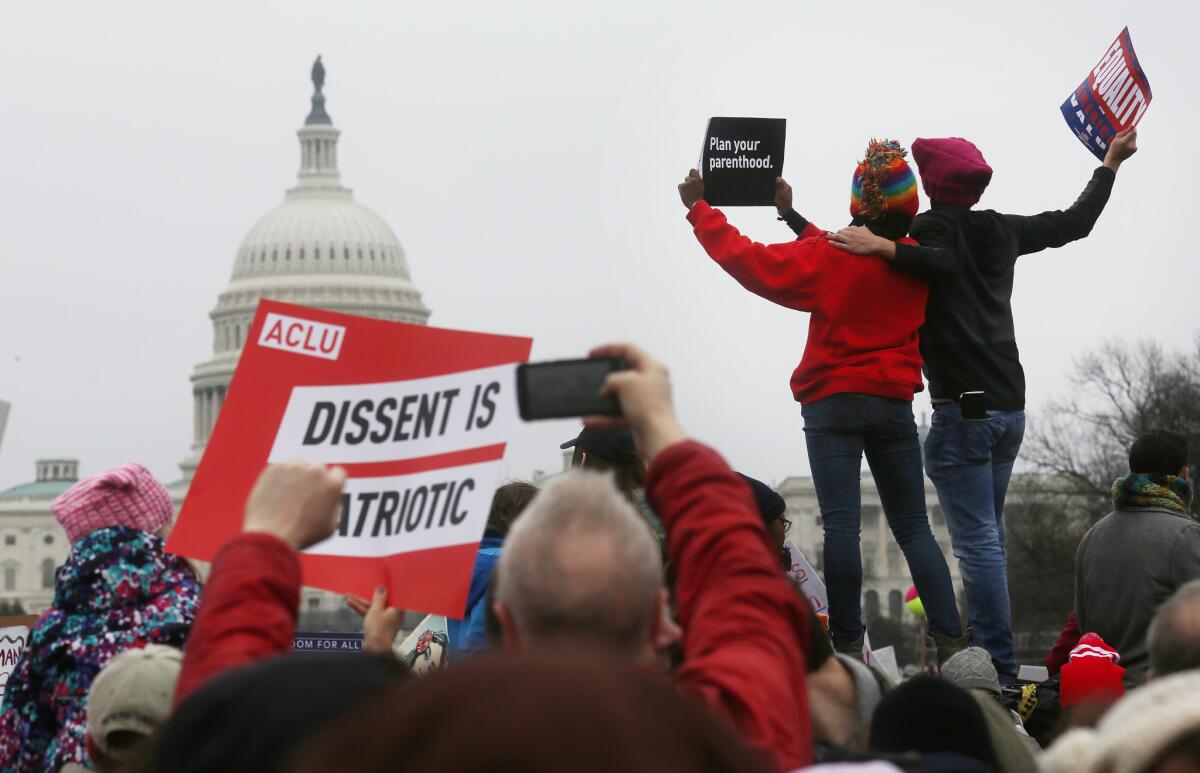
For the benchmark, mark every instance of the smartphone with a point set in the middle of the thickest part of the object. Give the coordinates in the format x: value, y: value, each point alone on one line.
x: 562, y: 389
x: 971, y: 406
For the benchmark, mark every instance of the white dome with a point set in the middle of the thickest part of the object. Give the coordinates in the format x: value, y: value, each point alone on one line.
x: 318, y: 248
x: 320, y: 234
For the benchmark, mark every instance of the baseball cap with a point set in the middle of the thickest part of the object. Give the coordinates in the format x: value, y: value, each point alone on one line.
x: 133, y: 693
x: 606, y: 444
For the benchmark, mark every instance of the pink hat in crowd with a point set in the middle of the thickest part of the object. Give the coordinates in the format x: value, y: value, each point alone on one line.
x: 123, y: 496
x: 952, y: 170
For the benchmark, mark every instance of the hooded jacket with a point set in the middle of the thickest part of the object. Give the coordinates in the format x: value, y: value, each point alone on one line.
x: 862, y: 335
x: 118, y: 590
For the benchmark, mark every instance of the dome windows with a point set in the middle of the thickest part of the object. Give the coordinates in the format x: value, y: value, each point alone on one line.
x: 301, y: 252
x: 288, y: 254
x: 316, y: 252
x: 346, y: 253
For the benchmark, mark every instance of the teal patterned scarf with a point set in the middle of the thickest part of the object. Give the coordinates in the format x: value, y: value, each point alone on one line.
x: 1169, y: 492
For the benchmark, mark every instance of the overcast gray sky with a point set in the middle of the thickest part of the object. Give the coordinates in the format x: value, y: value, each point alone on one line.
x: 526, y: 154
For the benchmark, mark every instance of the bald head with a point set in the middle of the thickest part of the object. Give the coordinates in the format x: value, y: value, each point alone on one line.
x: 1174, y: 637
x: 580, y: 567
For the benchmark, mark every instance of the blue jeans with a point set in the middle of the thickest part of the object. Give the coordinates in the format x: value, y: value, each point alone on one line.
x: 838, y: 430
x: 970, y: 463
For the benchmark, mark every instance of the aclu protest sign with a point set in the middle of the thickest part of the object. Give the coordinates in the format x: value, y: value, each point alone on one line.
x: 14, y: 635
x: 1113, y: 97
x: 418, y: 416
x: 741, y: 159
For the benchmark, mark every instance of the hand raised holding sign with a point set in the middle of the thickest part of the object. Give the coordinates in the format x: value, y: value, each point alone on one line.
x: 297, y: 502
x: 783, y: 196
x: 381, y: 623
x: 1122, y: 147
x: 691, y: 189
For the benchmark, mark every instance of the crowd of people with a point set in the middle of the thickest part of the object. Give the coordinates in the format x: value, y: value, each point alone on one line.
x: 634, y: 613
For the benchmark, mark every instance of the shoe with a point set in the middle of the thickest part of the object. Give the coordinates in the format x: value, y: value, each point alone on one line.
x: 851, y: 647
x: 947, y: 647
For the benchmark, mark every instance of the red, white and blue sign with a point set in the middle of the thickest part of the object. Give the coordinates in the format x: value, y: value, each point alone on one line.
x: 1112, y: 98
x: 419, y: 418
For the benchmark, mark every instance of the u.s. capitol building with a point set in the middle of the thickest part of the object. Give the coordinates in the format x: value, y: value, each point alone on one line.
x: 320, y: 247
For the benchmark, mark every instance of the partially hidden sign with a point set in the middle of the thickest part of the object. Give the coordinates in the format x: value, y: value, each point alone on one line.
x: 14, y: 635
x: 1113, y: 97
x: 741, y: 159
x: 418, y: 416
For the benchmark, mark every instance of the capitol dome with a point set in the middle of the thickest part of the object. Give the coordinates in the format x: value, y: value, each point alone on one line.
x: 320, y: 248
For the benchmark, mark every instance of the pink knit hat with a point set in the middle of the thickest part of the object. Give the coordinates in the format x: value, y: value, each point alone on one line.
x: 123, y: 496
x: 952, y: 170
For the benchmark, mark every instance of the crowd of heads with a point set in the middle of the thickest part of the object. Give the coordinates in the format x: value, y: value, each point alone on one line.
x: 636, y: 613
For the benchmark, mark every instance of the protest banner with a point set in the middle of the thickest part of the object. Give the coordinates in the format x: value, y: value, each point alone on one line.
x: 14, y: 635
x: 424, y: 650
x: 5, y: 406
x: 327, y: 642
x: 804, y: 575
x: 741, y: 159
x: 1113, y: 97
x: 418, y: 416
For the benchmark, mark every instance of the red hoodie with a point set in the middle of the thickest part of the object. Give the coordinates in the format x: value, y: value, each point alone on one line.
x: 862, y: 335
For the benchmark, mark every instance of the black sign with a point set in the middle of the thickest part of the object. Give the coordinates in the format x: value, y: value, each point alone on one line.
x: 741, y: 159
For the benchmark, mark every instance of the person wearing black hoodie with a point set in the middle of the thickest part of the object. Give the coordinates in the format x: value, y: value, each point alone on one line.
x: 970, y: 350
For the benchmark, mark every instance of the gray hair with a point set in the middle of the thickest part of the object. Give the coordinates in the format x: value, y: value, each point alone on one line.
x: 1174, y: 636
x: 580, y: 566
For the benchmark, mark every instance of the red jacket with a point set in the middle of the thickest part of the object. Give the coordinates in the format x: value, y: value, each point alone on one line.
x: 1060, y: 654
x: 862, y: 335
x: 247, y: 612
x: 743, y: 624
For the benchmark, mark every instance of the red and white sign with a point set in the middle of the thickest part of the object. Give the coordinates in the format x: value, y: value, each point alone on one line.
x: 418, y: 416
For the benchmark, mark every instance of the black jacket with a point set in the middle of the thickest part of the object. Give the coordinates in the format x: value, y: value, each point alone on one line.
x: 967, y: 256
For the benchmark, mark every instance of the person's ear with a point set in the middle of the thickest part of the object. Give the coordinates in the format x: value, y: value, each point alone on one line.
x: 510, y: 638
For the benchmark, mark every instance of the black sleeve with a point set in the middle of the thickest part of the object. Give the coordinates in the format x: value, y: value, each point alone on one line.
x: 934, y: 256
x: 1054, y: 229
x: 795, y: 221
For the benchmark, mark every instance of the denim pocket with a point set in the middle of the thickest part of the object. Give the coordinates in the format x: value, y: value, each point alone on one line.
x: 954, y: 442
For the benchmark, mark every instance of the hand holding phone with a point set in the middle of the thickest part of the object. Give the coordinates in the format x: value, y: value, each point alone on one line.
x: 561, y: 389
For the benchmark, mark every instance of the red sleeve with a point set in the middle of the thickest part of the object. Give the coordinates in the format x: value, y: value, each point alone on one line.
x: 247, y: 611
x: 785, y: 273
x: 1067, y: 640
x: 743, y: 624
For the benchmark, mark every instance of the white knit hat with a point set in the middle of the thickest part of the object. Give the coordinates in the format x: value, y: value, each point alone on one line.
x: 1136, y: 730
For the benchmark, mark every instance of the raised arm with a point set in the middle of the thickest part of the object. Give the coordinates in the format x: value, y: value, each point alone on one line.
x: 782, y: 273
x: 249, y: 606
x: 1054, y: 229
x: 783, y: 205
x: 743, y: 625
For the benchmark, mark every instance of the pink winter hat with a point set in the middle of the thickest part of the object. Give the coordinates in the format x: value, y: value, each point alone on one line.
x: 952, y: 170
x: 123, y: 496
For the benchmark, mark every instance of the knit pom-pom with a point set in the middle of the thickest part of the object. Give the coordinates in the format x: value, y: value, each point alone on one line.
x: 875, y: 167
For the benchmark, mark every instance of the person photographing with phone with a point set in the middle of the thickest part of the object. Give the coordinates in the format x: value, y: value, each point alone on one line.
x: 856, y: 380
x: 970, y: 350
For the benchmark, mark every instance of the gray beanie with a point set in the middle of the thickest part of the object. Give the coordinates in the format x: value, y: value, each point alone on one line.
x: 972, y: 669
